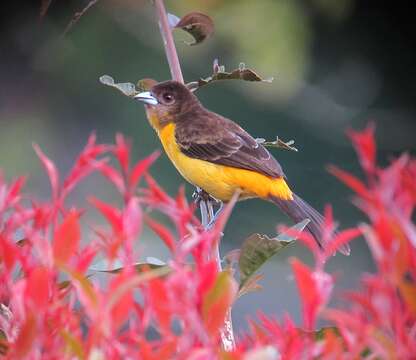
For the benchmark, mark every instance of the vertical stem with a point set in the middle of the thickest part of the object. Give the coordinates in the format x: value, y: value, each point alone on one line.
x: 170, y: 49
x: 206, y: 206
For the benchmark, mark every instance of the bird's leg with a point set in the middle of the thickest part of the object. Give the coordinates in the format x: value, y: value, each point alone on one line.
x: 206, y: 202
x: 200, y: 195
x: 217, y: 213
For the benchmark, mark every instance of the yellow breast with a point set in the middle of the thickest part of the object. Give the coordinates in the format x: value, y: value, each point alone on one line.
x: 220, y: 181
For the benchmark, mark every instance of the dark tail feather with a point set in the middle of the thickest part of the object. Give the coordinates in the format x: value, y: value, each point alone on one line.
x: 299, y: 210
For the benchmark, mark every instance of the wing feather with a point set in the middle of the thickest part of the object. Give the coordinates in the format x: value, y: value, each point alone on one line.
x: 211, y: 137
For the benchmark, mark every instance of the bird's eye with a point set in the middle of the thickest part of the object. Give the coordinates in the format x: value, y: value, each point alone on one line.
x: 168, y: 98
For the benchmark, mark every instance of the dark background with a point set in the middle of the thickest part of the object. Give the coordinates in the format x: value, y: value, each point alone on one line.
x: 336, y: 64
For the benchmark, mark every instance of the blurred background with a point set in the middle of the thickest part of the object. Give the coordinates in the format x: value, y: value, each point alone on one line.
x: 336, y: 64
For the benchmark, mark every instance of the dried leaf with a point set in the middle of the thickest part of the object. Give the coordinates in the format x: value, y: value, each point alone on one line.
x: 280, y: 144
x: 199, y: 25
x: 258, y: 248
x: 219, y: 73
x: 127, y: 88
x: 145, y: 84
x: 117, y: 266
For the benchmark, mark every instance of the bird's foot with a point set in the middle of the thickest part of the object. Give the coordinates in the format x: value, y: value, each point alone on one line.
x: 216, y: 215
x: 201, y: 195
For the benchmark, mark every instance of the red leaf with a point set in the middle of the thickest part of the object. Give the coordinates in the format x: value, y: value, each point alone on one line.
x: 156, y: 190
x: 162, y: 232
x: 50, y: 169
x: 160, y: 304
x: 132, y: 218
x: 111, y: 213
x: 120, y: 310
x: 113, y: 175
x: 67, y: 237
x: 78, y: 173
x: 37, y: 288
x: 141, y: 167
x: 122, y: 152
x: 308, y: 291
x: 217, y: 302
x: 27, y: 336
x: 15, y: 188
x: 365, y: 146
x: 342, y: 238
x: 86, y: 257
x: 350, y: 180
x: 207, y: 274
x: 8, y: 253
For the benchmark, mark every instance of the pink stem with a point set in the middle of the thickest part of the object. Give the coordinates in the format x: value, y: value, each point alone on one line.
x: 227, y: 333
x: 170, y: 49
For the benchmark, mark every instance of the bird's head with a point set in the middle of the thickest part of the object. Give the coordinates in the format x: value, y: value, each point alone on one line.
x: 167, y: 101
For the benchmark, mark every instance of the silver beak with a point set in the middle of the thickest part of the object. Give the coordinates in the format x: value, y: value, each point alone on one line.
x: 147, y: 98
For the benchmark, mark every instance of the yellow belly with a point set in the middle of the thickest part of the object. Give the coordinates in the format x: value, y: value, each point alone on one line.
x: 220, y: 181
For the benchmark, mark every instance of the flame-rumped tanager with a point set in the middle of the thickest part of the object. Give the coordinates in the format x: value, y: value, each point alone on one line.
x: 218, y: 156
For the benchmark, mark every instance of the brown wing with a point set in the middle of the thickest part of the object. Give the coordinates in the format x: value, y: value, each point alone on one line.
x: 211, y: 137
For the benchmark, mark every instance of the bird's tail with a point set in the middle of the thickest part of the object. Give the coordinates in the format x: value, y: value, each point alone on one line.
x: 298, y: 210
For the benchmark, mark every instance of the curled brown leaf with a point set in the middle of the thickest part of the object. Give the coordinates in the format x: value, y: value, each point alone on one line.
x: 199, y: 25
x: 146, y: 84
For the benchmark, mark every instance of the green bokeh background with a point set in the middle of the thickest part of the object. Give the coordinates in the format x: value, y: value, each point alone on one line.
x: 336, y: 65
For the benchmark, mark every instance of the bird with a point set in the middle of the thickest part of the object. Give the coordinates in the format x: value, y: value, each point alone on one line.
x: 218, y: 156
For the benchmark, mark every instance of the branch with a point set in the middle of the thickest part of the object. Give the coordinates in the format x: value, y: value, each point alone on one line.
x: 170, y: 49
x: 205, y: 203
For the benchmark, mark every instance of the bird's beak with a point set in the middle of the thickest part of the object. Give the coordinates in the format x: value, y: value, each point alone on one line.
x: 147, y: 98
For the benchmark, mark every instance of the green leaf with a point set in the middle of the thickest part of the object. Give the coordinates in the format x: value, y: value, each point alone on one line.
x: 258, y: 248
x: 219, y: 73
x: 199, y: 25
x: 251, y: 285
x: 127, y: 88
x: 117, y: 266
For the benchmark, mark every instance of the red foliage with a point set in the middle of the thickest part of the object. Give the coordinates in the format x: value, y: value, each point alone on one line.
x: 51, y: 307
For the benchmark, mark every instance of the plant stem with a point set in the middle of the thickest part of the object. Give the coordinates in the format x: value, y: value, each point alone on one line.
x: 170, y: 49
x: 205, y: 205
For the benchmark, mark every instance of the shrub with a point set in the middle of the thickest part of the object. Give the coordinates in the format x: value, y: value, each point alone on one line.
x: 52, y: 308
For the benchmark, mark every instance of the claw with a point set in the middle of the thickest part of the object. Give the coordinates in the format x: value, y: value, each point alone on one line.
x: 202, y: 195
x: 216, y: 215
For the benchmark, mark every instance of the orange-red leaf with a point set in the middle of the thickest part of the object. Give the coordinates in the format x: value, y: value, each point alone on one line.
x: 37, y: 288
x: 217, y: 302
x: 24, y: 341
x: 67, y: 237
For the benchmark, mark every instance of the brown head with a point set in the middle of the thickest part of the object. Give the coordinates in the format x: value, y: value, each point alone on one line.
x: 167, y: 101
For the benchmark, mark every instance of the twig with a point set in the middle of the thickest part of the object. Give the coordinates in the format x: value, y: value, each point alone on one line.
x: 78, y: 16
x: 205, y: 205
x: 170, y: 49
